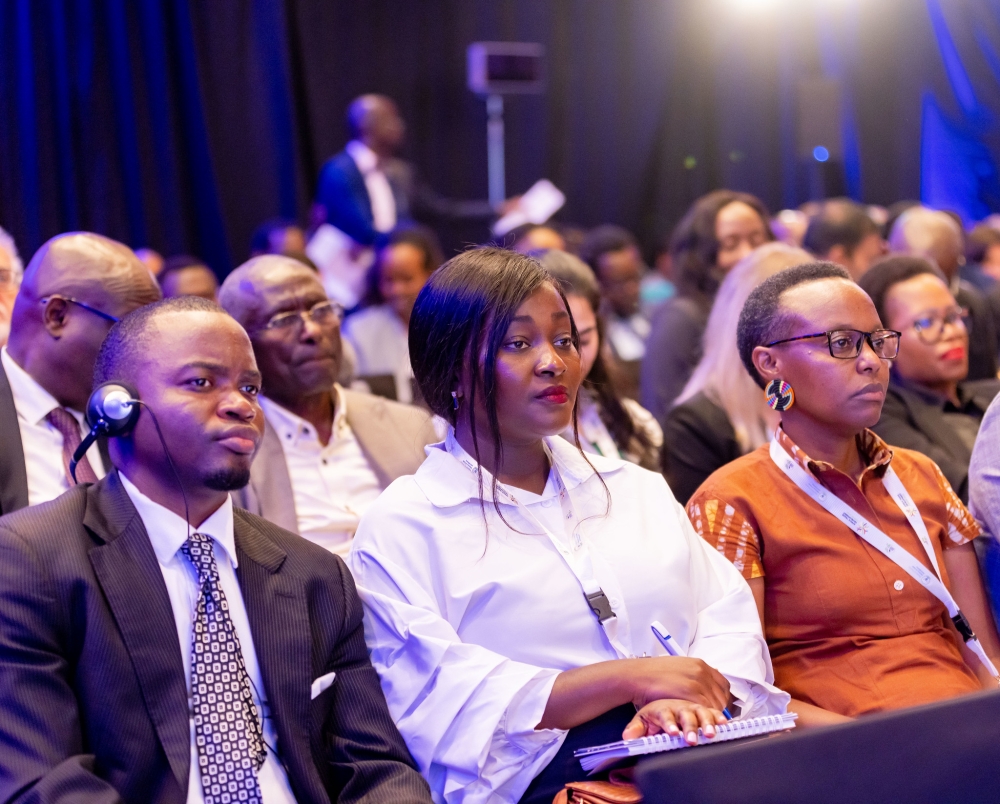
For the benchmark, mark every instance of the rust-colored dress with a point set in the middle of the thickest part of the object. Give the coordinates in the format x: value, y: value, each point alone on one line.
x: 848, y: 629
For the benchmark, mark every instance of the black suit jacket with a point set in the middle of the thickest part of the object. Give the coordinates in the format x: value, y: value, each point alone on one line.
x: 914, y: 421
x: 341, y: 189
x: 93, y: 701
x: 13, y: 476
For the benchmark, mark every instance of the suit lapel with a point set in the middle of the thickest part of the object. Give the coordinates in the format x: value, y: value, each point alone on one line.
x: 278, y: 612
x: 128, y: 572
x: 359, y: 188
x: 13, y: 475
x: 929, y: 421
x: 271, y: 484
x: 377, y: 435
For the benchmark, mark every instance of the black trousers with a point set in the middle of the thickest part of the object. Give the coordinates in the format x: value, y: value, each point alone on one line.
x: 564, y: 767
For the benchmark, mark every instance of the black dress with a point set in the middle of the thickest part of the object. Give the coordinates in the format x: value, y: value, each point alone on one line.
x: 698, y: 438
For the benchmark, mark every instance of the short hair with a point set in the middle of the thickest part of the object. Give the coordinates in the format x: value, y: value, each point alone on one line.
x: 979, y: 242
x: 421, y: 238
x: 260, y: 241
x: 762, y: 317
x: 17, y: 266
x: 178, y: 263
x: 603, y: 240
x: 129, y: 337
x: 838, y: 223
x: 571, y: 273
x: 884, y: 274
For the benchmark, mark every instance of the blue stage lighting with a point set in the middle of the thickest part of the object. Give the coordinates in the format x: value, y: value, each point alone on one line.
x: 820, y: 154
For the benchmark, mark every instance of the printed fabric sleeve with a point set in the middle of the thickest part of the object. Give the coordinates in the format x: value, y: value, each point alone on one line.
x: 727, y: 530
x: 962, y: 527
x: 468, y: 714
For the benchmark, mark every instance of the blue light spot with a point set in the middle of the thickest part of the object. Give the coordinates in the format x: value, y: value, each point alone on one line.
x: 820, y: 154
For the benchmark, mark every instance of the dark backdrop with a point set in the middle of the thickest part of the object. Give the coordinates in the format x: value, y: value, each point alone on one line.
x: 181, y: 125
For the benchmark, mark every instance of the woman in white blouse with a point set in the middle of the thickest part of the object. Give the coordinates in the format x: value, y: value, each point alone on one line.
x: 510, y: 584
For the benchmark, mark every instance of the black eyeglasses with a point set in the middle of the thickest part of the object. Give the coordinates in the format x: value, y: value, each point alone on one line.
x: 78, y: 303
x: 846, y: 344
x: 930, y: 328
x: 324, y: 312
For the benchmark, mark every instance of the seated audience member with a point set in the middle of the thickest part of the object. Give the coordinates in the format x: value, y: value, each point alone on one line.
x: 488, y: 644
x: 850, y: 631
x: 278, y: 236
x: 982, y: 258
x: 327, y: 452
x: 922, y: 232
x: 75, y: 287
x: 11, y: 271
x: 155, y: 569
x: 842, y: 232
x: 929, y: 406
x: 613, y: 254
x: 719, y: 230
x: 153, y: 260
x: 378, y: 332
x: 606, y: 423
x: 721, y: 414
x: 184, y: 275
x: 789, y: 226
x: 533, y: 237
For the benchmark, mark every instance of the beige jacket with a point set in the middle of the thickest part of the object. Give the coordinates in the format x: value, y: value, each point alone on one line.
x: 392, y: 437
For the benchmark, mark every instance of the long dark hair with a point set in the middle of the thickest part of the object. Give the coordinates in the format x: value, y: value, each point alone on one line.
x: 463, y: 312
x: 576, y: 277
x: 695, y: 248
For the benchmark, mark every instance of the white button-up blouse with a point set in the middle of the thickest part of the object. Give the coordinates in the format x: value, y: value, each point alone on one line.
x: 468, y: 625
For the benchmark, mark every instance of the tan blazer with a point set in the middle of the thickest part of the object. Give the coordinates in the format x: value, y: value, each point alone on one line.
x: 392, y: 437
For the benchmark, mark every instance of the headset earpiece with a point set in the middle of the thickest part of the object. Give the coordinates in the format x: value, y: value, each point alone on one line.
x: 113, y: 409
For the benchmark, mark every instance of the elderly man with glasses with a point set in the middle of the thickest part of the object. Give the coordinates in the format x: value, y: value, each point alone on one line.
x: 75, y: 287
x: 931, y: 406
x: 327, y: 452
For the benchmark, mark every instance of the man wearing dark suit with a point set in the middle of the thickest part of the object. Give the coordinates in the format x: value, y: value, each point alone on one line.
x: 118, y: 614
x: 365, y: 190
x: 75, y: 287
x: 327, y: 452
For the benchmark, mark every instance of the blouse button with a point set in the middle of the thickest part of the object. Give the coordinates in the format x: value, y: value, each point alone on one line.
x: 898, y: 586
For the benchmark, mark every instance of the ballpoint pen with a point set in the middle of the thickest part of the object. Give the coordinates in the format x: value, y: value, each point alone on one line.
x: 670, y: 646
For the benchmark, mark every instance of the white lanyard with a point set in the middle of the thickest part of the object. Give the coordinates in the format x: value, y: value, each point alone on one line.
x: 576, y: 556
x: 883, y: 542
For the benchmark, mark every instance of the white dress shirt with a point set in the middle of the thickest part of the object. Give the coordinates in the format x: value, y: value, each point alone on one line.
x: 468, y: 625
x: 628, y: 336
x: 379, y: 191
x: 381, y: 343
x: 167, y: 533
x: 41, y: 442
x: 332, y: 485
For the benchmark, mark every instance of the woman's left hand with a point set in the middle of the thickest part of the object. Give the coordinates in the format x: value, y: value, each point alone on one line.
x: 676, y: 718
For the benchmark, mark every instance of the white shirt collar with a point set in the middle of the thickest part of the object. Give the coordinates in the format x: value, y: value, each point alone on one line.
x: 364, y: 157
x: 30, y: 399
x: 168, y: 532
x: 447, y: 483
x: 292, y: 429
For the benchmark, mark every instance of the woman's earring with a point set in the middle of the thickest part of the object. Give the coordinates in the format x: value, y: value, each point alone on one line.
x: 780, y: 396
x: 454, y: 399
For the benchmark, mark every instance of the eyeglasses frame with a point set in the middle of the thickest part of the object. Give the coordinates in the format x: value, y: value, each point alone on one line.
x: 829, y: 341
x: 106, y: 316
x: 336, y: 307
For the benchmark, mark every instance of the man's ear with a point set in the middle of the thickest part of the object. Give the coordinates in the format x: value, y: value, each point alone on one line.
x: 839, y: 255
x: 766, y: 363
x: 54, y: 316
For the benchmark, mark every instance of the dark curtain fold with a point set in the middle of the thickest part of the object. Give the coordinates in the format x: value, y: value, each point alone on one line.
x: 181, y: 125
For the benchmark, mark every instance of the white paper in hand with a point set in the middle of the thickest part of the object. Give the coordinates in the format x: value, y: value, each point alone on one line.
x: 536, y: 206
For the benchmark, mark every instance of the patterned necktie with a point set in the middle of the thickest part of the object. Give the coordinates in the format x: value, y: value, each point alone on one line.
x: 227, y: 731
x: 69, y: 428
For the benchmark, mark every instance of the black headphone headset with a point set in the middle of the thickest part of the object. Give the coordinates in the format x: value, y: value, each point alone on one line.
x: 112, y: 410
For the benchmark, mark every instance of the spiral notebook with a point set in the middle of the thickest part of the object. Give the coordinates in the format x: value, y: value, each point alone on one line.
x: 598, y: 757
